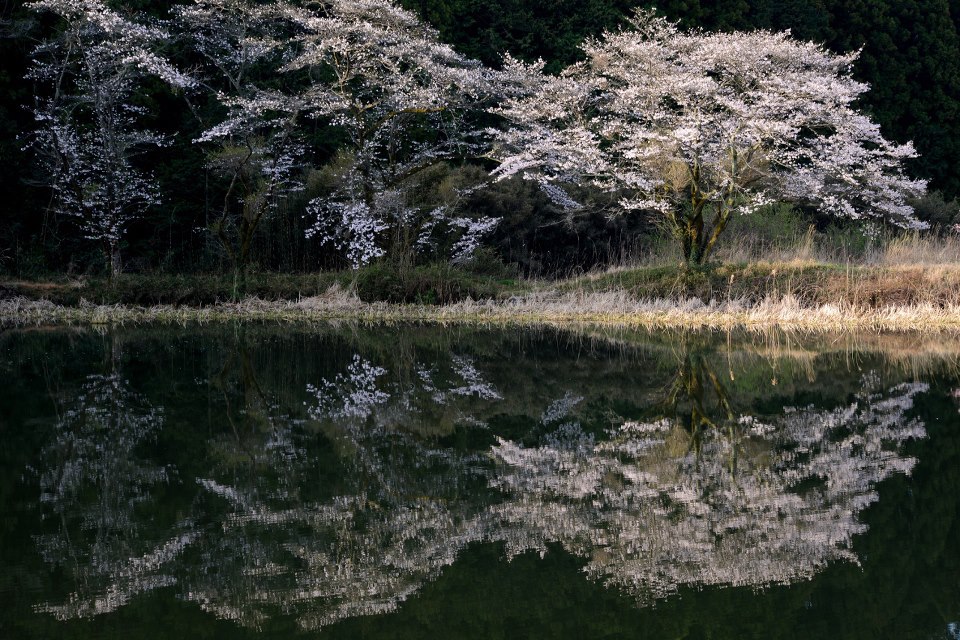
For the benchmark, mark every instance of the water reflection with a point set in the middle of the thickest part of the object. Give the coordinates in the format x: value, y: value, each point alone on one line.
x: 692, y: 501
x: 344, y: 497
x: 401, y: 514
x: 96, y: 488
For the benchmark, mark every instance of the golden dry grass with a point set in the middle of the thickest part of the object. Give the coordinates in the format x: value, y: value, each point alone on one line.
x: 612, y: 308
x: 809, y: 247
x: 907, y: 283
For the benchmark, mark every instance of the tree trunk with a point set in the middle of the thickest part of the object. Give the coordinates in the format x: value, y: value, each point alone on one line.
x: 113, y: 259
x: 719, y: 224
x: 697, y: 245
x: 239, y: 282
x: 692, y: 237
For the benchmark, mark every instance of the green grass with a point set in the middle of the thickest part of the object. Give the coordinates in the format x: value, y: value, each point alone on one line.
x: 430, y: 285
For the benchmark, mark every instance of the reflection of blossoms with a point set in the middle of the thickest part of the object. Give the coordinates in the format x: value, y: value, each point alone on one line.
x: 651, y: 507
x: 365, y: 392
x: 93, y: 485
x: 754, y: 505
x: 561, y: 408
x: 370, y: 557
x: 350, y: 395
x: 396, y: 524
x: 94, y: 445
x: 397, y: 520
x: 473, y: 382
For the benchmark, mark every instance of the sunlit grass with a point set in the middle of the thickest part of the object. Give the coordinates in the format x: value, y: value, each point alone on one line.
x: 611, y: 308
x: 906, y: 283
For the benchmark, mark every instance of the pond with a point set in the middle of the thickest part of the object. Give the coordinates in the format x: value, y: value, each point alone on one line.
x: 251, y: 481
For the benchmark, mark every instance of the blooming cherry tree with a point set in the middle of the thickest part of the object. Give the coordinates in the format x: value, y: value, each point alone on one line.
x: 88, y: 124
x: 402, y: 100
x: 256, y: 147
x: 700, y: 127
x: 372, y: 73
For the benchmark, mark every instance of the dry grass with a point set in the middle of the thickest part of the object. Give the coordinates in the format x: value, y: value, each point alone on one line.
x: 918, y: 249
x: 620, y: 309
x: 907, y: 283
x: 611, y: 308
x: 809, y: 247
x: 896, y: 283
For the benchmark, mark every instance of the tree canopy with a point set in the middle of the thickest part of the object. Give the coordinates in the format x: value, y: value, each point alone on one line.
x: 907, y: 54
x: 697, y: 125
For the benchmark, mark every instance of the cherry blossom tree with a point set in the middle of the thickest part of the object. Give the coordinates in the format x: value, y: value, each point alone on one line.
x: 257, y: 145
x: 88, y: 131
x: 370, y: 73
x: 700, y: 127
x: 402, y: 100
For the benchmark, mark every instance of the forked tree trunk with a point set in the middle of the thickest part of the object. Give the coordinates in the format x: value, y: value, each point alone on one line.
x: 697, y: 243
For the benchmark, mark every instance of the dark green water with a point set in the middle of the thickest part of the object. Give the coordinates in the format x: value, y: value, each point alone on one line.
x: 410, y: 482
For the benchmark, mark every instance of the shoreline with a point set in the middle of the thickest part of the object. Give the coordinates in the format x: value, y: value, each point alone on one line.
x: 608, y: 309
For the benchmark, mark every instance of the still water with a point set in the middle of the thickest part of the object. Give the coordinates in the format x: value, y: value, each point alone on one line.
x: 416, y: 482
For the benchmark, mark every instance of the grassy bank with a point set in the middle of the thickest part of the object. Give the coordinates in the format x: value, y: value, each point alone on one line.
x: 605, y: 309
x: 810, y: 283
x: 802, y: 294
x: 432, y: 284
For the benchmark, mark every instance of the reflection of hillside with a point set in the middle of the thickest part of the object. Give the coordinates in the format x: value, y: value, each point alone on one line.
x: 347, y: 497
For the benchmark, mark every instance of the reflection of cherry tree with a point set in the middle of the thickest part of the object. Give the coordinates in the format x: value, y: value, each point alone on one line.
x: 261, y: 434
x: 93, y: 485
x: 353, y: 394
x: 357, y: 554
x: 361, y: 393
x: 396, y: 522
x: 761, y: 503
x: 356, y: 525
x: 688, y: 399
x: 350, y: 556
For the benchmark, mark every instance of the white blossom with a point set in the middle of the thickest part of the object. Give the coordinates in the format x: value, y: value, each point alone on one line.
x: 87, y: 128
x: 257, y: 147
x: 380, y: 75
x: 725, y: 510
x: 694, y: 125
